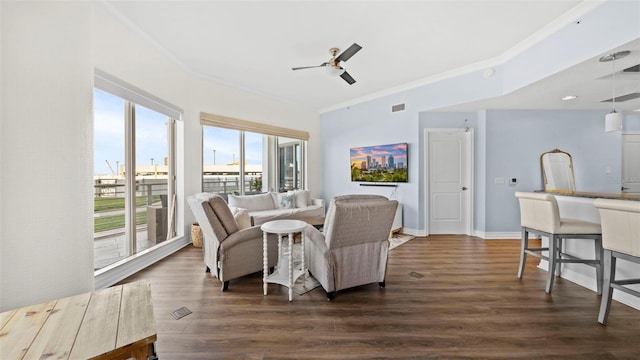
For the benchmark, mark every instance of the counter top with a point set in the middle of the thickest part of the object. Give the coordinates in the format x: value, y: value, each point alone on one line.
x: 594, y: 195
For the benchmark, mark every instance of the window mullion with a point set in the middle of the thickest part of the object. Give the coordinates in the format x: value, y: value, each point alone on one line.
x: 171, y: 178
x: 241, y: 163
x: 130, y: 178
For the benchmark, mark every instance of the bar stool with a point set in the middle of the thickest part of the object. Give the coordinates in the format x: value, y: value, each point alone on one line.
x: 621, y: 240
x: 539, y: 214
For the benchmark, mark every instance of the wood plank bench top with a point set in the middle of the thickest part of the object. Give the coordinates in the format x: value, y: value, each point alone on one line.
x: 113, y: 323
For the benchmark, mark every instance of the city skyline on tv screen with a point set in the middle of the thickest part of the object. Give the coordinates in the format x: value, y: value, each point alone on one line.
x: 379, y: 163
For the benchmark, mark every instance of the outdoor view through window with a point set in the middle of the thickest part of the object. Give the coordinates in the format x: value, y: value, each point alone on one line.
x: 119, y: 230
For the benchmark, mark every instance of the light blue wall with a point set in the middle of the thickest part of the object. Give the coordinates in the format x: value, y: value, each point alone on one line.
x: 501, y: 149
x: 373, y: 123
x: 508, y: 144
x: 516, y: 138
x: 365, y: 125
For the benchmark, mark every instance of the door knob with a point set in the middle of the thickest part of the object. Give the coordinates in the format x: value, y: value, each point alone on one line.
x: 624, y: 188
x: 464, y: 188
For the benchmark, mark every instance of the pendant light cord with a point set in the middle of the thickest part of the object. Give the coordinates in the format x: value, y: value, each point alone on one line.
x: 613, y: 82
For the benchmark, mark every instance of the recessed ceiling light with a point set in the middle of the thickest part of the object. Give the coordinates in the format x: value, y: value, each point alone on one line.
x: 569, y: 97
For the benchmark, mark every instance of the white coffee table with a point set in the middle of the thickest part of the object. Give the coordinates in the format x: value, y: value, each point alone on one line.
x: 284, y: 273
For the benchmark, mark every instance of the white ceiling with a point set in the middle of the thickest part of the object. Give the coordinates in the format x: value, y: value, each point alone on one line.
x: 252, y: 45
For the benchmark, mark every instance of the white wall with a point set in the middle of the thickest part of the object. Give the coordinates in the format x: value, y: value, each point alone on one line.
x: 46, y: 187
x: 123, y: 51
x: 49, y: 52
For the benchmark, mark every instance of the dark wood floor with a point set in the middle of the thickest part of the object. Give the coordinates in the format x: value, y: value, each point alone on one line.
x: 446, y: 297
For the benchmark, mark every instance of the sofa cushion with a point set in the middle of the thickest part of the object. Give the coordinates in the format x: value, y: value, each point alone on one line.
x: 261, y: 217
x: 252, y: 202
x: 302, y: 198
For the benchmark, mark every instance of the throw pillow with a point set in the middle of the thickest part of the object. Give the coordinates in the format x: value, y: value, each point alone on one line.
x: 242, y: 219
x: 302, y: 198
x: 285, y: 201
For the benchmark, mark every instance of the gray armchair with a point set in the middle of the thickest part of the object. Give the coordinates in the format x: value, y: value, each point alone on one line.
x: 229, y: 251
x: 353, y: 249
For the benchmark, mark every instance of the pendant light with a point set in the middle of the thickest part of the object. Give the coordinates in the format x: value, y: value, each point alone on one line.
x: 613, y: 120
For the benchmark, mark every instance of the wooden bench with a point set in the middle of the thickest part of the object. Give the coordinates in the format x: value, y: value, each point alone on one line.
x: 113, y: 323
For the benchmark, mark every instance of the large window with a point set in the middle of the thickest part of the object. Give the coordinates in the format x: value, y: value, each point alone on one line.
x: 133, y: 172
x: 263, y: 158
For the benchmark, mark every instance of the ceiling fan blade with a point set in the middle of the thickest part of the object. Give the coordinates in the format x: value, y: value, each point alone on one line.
x: 310, y: 67
x: 347, y: 54
x: 345, y: 75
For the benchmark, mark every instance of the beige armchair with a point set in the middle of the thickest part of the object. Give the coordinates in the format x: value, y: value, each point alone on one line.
x: 353, y: 249
x: 229, y: 251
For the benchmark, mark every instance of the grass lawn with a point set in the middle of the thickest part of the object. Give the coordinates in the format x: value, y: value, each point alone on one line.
x: 110, y: 222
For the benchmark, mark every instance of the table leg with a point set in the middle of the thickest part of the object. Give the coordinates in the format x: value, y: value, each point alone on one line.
x: 290, y: 266
x: 265, y: 262
x: 304, y: 269
x: 279, y: 250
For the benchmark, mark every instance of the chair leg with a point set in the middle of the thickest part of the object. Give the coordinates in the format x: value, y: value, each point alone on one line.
x: 382, y: 284
x: 607, y: 291
x: 553, y: 251
x: 600, y: 265
x: 559, y: 256
x: 225, y: 285
x: 524, y: 244
x: 331, y: 295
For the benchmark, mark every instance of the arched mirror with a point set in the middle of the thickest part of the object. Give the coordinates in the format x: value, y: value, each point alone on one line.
x: 557, y: 171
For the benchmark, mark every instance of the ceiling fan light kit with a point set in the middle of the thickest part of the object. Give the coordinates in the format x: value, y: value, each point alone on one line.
x: 613, y: 120
x: 333, y: 66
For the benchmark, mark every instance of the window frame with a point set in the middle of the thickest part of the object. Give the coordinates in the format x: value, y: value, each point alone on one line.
x: 270, y: 167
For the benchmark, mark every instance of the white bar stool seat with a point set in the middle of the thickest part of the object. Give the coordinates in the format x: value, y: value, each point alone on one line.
x: 621, y: 240
x: 539, y: 214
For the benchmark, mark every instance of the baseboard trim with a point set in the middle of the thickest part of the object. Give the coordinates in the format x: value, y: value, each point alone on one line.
x: 114, y: 273
x: 500, y: 235
x: 414, y: 232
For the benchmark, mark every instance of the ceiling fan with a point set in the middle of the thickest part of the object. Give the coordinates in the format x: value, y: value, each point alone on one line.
x: 333, y: 65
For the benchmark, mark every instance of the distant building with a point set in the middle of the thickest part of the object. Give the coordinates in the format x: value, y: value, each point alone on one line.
x: 369, y: 165
x: 392, y: 165
x: 363, y: 165
x: 383, y: 161
x: 400, y: 165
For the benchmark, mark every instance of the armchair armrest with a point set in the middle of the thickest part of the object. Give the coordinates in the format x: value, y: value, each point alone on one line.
x: 317, y: 257
x: 319, y: 202
x: 241, y: 236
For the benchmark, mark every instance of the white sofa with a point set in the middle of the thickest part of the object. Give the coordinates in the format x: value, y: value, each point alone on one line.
x: 261, y: 208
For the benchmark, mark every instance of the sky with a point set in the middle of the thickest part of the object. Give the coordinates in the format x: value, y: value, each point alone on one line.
x: 151, y: 138
x: 399, y: 152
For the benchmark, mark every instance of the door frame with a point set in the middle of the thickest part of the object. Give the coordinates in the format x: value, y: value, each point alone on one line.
x: 470, y: 157
x: 622, y: 171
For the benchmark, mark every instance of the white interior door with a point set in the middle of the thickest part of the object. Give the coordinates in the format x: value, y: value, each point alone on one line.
x: 631, y: 163
x: 449, y: 166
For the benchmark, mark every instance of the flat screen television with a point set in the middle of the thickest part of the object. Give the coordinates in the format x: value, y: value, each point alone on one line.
x: 380, y: 163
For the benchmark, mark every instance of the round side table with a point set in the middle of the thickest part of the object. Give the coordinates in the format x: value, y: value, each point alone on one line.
x: 284, y: 273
